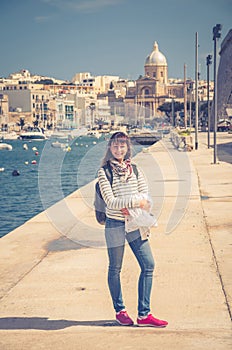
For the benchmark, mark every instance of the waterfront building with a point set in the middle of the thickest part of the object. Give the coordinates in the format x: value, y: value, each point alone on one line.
x: 150, y: 90
x: 28, y: 101
x: 87, y: 99
x: 66, y: 117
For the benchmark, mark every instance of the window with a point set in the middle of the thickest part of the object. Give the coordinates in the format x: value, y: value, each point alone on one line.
x: 146, y: 91
x: 154, y: 74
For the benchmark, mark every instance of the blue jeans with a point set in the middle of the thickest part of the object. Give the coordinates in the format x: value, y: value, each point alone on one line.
x: 115, y: 240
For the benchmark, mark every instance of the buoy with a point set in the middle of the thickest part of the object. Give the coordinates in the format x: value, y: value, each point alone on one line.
x: 36, y: 153
x: 34, y: 149
x: 25, y: 146
x: 86, y: 145
x: 15, y: 173
x: 2, y: 169
x: 94, y: 142
x: 26, y: 162
x: 68, y: 149
x: 33, y: 162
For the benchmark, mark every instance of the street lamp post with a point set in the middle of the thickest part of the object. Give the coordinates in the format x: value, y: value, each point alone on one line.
x: 208, y: 62
x: 185, y: 98
x: 190, y: 108
x: 216, y: 36
x: 92, y: 108
x: 173, y: 112
x: 196, y: 91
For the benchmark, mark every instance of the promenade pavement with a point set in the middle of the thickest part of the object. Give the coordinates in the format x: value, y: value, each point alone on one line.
x: 53, y: 269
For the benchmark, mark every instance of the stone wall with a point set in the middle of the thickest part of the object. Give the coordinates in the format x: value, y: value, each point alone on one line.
x: 224, y: 78
x: 225, y: 75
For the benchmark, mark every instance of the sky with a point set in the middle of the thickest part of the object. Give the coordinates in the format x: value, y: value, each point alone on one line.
x: 59, y: 38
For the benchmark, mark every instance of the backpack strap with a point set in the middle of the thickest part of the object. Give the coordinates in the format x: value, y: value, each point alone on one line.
x: 135, y: 170
x: 109, y: 174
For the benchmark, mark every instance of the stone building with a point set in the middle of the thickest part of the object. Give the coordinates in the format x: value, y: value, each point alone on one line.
x: 225, y: 78
x: 152, y: 90
x: 149, y: 91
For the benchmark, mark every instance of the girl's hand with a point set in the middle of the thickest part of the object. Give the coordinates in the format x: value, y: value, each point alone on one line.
x: 125, y: 211
x: 145, y: 204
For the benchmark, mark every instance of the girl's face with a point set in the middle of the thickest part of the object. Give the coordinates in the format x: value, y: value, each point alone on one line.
x: 119, y: 150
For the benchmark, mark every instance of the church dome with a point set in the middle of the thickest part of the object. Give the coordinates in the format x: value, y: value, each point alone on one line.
x: 156, y: 58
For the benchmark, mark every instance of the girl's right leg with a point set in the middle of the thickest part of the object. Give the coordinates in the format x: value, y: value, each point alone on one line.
x: 115, y: 240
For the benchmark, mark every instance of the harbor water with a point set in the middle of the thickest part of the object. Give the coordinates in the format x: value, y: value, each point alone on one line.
x: 34, y: 175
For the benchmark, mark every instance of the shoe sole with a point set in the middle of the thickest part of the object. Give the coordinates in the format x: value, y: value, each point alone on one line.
x: 125, y: 324
x: 151, y: 325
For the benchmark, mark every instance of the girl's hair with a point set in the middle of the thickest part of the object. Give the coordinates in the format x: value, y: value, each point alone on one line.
x: 119, y: 137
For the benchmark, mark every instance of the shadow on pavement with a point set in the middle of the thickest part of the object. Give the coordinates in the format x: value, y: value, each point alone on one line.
x: 45, y: 323
x: 225, y: 152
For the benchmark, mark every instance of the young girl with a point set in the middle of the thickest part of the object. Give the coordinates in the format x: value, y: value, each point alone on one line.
x: 119, y: 198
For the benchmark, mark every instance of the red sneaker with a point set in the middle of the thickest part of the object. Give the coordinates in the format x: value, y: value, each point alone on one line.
x: 151, y: 321
x: 123, y: 318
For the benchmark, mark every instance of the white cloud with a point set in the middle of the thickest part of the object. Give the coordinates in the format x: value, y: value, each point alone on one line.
x: 83, y: 5
x: 42, y: 19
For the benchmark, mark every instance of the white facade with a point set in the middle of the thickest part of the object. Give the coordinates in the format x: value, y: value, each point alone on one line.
x: 94, y: 84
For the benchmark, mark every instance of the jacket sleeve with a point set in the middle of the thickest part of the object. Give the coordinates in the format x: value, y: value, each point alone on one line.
x: 142, y: 184
x: 111, y: 201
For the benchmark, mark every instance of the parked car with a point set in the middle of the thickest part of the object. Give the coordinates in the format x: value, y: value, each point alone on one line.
x: 224, y: 125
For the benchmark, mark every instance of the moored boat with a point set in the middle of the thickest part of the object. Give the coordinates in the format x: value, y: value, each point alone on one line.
x: 58, y: 144
x: 4, y: 135
x: 5, y: 146
x: 32, y: 134
x: 145, y: 137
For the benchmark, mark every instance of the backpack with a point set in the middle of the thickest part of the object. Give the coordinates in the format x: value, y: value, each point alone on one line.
x: 99, y: 203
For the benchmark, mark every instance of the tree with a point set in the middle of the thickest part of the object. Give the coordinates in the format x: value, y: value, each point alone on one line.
x: 44, y: 81
x: 21, y: 123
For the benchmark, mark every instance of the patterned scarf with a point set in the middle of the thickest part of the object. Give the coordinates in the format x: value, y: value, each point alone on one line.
x: 123, y: 170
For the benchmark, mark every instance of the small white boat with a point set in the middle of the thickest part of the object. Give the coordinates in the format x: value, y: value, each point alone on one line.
x: 4, y: 135
x: 58, y: 144
x: 59, y: 134
x: 5, y: 146
x: 32, y: 134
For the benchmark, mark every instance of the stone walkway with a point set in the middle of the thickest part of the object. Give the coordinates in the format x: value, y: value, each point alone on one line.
x: 54, y: 293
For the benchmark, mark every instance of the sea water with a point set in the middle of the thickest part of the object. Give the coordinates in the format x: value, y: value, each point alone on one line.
x: 46, y: 175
